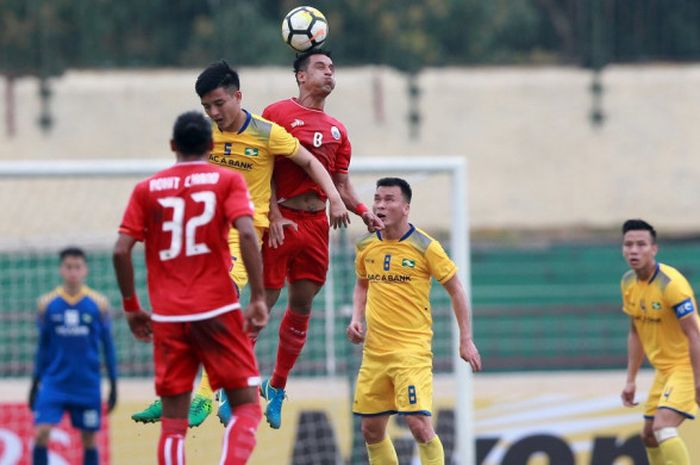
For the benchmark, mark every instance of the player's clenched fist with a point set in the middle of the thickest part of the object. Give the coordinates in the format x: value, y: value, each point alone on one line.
x: 356, y: 332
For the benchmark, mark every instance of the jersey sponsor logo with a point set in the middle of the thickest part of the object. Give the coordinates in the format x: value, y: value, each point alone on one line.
x: 408, y: 263
x: 684, y: 308
x: 389, y: 278
x: 162, y: 184
x: 250, y: 152
x: 387, y: 262
x: 335, y: 132
x: 647, y: 319
x: 230, y: 163
x: 71, y: 317
x: 297, y: 122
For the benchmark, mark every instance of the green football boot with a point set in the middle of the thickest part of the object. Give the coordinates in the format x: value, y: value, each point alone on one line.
x: 150, y: 414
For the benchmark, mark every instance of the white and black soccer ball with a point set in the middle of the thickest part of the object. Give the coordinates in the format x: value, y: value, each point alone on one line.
x: 304, y: 28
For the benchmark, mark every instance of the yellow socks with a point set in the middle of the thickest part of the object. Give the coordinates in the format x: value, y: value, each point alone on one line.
x: 655, y: 456
x: 431, y: 453
x: 204, y: 388
x: 674, y: 452
x: 382, y: 453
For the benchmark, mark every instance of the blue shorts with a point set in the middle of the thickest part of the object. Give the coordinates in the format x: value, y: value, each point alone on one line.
x: 83, y: 417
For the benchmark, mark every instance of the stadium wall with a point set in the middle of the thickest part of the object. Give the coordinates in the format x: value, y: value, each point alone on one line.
x: 536, y: 161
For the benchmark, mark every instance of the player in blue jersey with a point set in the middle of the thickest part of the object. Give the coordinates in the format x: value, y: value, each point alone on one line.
x: 74, y: 325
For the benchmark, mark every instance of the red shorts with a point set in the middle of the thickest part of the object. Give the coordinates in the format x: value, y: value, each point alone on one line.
x: 218, y: 343
x: 302, y: 255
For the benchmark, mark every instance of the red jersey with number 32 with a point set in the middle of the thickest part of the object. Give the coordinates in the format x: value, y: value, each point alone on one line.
x: 183, y: 215
x: 321, y: 134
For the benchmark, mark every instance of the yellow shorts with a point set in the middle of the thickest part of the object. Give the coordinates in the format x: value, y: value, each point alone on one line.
x: 394, y: 383
x: 238, y: 272
x: 673, y: 389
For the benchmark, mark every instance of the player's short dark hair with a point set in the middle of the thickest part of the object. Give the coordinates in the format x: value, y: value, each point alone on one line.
x: 400, y: 183
x: 302, y: 60
x: 72, y: 251
x: 217, y: 75
x: 638, y: 225
x: 192, y: 133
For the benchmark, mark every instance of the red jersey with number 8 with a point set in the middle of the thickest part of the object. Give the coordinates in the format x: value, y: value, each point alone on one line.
x: 183, y: 215
x: 321, y: 134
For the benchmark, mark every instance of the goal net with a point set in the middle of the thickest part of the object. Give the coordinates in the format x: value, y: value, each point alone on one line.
x: 51, y: 205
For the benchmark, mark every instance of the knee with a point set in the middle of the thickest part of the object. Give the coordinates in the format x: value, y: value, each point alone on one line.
x: 41, y: 438
x: 648, y: 438
x: 421, y: 428
x: 88, y: 438
x: 372, y: 433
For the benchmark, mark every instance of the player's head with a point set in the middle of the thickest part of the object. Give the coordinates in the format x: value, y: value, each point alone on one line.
x: 314, y: 72
x: 639, y: 245
x: 219, y: 90
x: 191, y: 136
x: 73, y: 267
x: 392, y: 201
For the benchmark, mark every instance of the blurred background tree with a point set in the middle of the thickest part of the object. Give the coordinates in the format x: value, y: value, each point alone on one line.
x: 41, y: 36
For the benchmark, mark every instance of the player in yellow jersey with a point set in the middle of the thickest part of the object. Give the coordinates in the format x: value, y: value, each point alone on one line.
x: 249, y: 144
x: 394, y: 270
x: 664, y: 326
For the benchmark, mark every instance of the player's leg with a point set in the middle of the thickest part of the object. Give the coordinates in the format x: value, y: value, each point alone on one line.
x: 675, y: 405
x: 307, y: 269
x: 47, y: 414
x: 374, y: 402
x: 412, y: 375
x: 380, y: 449
x: 292, y: 338
x: 430, y: 447
x: 90, y: 453
x: 654, y: 454
x: 176, y: 365
x: 87, y: 419
x: 239, y: 438
x: 171, y: 445
x: 40, y: 452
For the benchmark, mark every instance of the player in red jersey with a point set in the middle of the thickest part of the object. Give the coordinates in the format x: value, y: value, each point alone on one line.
x: 183, y: 215
x: 296, y: 246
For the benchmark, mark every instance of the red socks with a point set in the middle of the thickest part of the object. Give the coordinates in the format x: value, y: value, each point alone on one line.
x: 171, y: 447
x: 293, y: 330
x: 239, y: 438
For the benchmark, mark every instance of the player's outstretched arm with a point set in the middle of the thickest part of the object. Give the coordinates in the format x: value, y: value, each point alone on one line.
x: 689, y: 325
x: 353, y: 203
x: 256, y: 314
x: 467, y: 348
x: 635, y: 356
x: 356, y: 328
x: 139, y: 321
x: 41, y: 360
x: 339, y: 215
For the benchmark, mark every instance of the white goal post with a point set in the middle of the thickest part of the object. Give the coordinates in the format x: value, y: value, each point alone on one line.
x: 454, y: 167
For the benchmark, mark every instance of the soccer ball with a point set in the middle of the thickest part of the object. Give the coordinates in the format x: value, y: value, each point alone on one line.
x: 304, y: 28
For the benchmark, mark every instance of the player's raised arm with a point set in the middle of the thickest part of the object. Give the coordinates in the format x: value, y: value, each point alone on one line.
x: 467, y: 349
x: 353, y: 203
x: 339, y: 215
x: 356, y: 328
x: 139, y: 321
